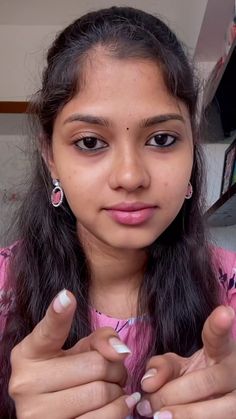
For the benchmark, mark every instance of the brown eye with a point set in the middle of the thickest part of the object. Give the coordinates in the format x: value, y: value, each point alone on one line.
x: 90, y: 144
x: 162, y: 140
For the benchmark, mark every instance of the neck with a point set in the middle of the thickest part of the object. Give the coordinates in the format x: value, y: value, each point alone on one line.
x: 116, y: 275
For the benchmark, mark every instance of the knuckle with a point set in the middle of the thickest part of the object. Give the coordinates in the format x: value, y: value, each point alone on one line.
x: 100, y: 365
x: 210, y: 382
x: 101, y: 333
x: 14, y: 355
x: 101, y: 391
x: 43, y: 330
x: 152, y: 362
x: 17, y: 386
x: 21, y: 383
x: 158, y: 400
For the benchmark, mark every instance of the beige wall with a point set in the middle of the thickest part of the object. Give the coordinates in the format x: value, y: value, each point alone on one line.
x: 22, y: 51
x: 27, y: 28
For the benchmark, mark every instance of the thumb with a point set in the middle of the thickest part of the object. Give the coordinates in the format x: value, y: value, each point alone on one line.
x: 104, y: 340
x: 217, y: 333
x: 49, y: 335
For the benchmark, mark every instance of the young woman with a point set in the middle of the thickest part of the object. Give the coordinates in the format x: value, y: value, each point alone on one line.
x: 113, y: 225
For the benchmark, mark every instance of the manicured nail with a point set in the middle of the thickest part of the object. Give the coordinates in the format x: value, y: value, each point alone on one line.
x: 119, y: 346
x: 144, y: 408
x: 150, y: 373
x: 132, y: 400
x: 163, y: 415
x: 61, y: 302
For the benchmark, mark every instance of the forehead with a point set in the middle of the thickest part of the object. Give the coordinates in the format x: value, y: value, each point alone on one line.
x: 103, y: 71
x: 128, y: 86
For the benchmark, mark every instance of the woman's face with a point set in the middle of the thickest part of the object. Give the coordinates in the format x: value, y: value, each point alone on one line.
x: 123, y: 151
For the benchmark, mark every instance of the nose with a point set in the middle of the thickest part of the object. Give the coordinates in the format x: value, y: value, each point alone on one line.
x: 129, y: 172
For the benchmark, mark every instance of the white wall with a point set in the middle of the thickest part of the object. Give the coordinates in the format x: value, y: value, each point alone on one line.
x: 27, y: 28
x: 13, y: 166
x: 22, y: 51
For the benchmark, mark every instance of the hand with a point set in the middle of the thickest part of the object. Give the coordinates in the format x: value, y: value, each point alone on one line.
x: 83, y: 382
x: 202, y: 386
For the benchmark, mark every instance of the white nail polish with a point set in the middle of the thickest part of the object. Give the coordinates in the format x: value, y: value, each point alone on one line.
x: 61, y: 302
x: 132, y: 400
x: 150, y: 373
x: 64, y: 299
x: 163, y: 415
x: 119, y: 346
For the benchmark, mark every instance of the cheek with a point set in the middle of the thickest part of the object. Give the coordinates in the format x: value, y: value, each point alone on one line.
x: 173, y: 184
x: 80, y: 187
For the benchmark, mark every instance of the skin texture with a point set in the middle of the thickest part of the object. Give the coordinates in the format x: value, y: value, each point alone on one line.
x: 128, y: 169
x: 83, y: 381
x: 200, y: 386
x: 87, y: 381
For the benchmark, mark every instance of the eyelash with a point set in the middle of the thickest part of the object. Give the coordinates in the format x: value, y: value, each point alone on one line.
x: 97, y: 140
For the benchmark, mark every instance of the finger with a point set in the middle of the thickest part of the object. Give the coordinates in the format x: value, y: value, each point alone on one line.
x: 216, y: 335
x: 119, y: 408
x: 161, y: 369
x: 72, y: 402
x: 67, y: 372
x: 48, y: 337
x: 195, y: 386
x: 218, y: 408
x: 104, y: 340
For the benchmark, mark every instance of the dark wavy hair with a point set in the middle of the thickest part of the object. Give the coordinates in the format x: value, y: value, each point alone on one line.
x: 179, y: 288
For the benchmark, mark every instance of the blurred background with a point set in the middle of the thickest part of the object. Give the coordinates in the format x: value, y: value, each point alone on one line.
x: 206, y: 27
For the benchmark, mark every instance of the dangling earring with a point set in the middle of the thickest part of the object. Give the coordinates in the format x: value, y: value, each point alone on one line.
x: 190, y: 191
x: 57, y: 194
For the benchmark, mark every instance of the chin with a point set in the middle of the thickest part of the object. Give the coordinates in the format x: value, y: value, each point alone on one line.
x: 138, y: 241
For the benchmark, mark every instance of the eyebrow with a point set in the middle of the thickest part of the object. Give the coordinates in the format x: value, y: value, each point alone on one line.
x: 145, y: 123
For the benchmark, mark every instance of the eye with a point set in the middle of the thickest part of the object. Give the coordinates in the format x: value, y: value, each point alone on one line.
x: 162, y: 140
x: 90, y: 144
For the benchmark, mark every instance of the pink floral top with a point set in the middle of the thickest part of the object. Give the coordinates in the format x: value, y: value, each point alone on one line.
x: 225, y: 263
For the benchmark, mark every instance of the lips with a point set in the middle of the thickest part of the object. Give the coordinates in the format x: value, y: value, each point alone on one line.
x: 135, y: 206
x: 131, y: 213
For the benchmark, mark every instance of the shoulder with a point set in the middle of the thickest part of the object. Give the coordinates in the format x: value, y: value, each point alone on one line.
x: 6, y: 293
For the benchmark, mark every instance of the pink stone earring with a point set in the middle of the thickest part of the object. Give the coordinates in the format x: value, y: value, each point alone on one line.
x: 57, y: 193
x: 189, y: 192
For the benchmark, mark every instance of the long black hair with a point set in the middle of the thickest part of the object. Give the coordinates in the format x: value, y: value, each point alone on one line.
x: 179, y: 288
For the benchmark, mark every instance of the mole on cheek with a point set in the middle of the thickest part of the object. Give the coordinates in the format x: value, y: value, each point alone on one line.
x: 127, y: 129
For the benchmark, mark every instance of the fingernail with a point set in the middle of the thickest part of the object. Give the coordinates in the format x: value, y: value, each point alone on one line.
x: 132, y: 400
x: 163, y: 415
x: 61, y: 302
x: 150, y: 373
x: 119, y: 346
x: 144, y: 408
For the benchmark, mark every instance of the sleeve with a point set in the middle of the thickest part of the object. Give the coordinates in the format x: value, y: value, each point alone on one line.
x: 6, y: 293
x: 225, y: 264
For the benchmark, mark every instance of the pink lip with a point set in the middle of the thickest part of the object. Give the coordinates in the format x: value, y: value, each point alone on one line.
x: 131, y: 213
